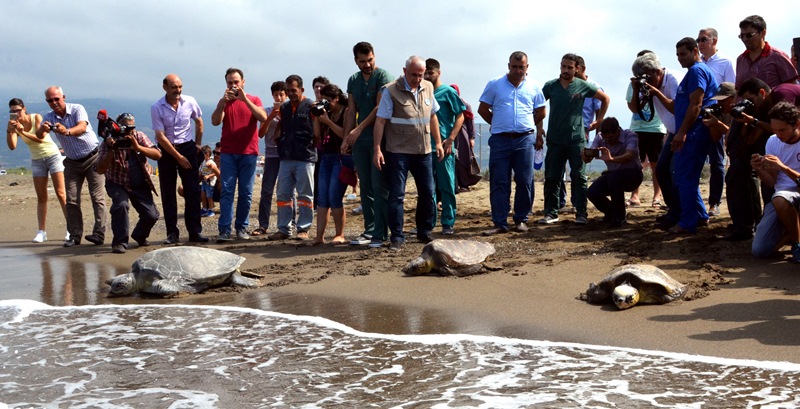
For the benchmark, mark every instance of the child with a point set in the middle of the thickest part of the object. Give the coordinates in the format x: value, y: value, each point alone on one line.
x: 208, y: 178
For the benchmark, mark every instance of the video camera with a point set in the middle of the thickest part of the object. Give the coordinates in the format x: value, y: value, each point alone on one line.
x: 711, y: 110
x: 321, y: 107
x: 109, y: 128
x: 744, y: 106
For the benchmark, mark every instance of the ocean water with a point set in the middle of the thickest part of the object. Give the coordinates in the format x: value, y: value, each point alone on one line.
x: 226, y: 357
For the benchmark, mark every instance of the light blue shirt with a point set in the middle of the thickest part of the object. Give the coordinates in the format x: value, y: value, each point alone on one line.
x: 75, y: 146
x: 512, y: 107
x: 590, y: 106
x: 722, y: 68
x: 386, y: 106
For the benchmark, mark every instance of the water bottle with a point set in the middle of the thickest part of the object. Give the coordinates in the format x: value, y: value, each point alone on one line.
x: 538, y: 159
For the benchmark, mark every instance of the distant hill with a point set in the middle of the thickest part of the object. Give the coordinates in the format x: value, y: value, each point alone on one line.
x: 140, y: 110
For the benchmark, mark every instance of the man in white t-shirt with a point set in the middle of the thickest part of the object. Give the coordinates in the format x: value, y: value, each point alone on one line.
x: 780, y: 167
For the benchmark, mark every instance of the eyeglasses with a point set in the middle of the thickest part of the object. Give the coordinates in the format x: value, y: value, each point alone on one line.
x: 14, y: 111
x: 216, y: 153
x: 703, y: 39
x: 747, y: 36
x: 51, y: 100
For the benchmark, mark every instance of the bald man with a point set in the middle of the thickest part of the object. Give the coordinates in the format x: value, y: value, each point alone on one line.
x: 172, y: 118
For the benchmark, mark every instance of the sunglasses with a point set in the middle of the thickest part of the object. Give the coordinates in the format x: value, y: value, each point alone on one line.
x: 14, y: 111
x: 703, y: 39
x: 51, y: 100
x: 747, y: 36
x: 217, y: 152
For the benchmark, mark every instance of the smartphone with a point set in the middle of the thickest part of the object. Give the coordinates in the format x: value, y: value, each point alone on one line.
x: 13, y: 116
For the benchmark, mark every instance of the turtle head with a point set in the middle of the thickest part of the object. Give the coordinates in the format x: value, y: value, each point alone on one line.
x: 625, y: 296
x: 122, y: 285
x: 418, y: 266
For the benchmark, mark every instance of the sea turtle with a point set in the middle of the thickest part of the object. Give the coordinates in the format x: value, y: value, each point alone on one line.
x: 171, y: 270
x: 635, y: 283
x: 454, y: 257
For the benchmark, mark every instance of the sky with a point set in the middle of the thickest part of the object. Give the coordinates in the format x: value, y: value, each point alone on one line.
x: 122, y: 50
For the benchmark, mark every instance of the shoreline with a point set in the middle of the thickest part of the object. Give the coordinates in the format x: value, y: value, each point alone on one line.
x: 738, y: 307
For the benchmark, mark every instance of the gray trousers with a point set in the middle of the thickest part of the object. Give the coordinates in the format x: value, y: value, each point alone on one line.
x: 75, y: 173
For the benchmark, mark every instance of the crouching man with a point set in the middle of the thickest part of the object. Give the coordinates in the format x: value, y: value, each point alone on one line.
x: 619, y: 149
x: 780, y: 168
x: 123, y: 161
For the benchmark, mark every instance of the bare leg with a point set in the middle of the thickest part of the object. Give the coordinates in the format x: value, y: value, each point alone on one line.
x: 322, y: 223
x: 338, y: 221
x: 40, y: 185
x: 656, y: 186
x: 61, y: 191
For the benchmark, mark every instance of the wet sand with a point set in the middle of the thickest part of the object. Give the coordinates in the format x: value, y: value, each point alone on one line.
x: 736, y: 307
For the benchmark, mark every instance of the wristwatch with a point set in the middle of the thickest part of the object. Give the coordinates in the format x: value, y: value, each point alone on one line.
x: 754, y: 123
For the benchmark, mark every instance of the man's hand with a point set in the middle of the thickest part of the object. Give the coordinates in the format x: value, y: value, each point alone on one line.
x: 351, y: 138
x: 605, y: 154
x: 677, y: 142
x: 447, y: 145
x: 439, y: 151
x: 134, y: 142
x: 184, y: 163
x: 378, y: 160
x: 710, y: 120
x: 539, y: 143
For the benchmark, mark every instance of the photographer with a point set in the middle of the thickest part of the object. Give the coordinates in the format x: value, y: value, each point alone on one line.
x: 619, y: 149
x: 652, y: 83
x: 127, y: 180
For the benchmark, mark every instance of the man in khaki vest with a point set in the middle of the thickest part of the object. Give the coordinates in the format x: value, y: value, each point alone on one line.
x: 406, y: 119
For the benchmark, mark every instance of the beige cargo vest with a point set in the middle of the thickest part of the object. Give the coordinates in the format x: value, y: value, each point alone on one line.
x: 409, y: 129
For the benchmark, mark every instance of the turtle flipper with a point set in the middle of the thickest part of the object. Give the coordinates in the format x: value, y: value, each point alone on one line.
x: 241, y: 281
x: 171, y: 287
x: 467, y: 270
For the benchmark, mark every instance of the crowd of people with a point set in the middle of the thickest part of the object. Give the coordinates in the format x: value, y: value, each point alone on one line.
x: 379, y: 129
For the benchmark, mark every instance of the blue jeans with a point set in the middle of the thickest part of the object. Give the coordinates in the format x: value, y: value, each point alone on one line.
x: 664, y: 169
x: 688, y: 165
x: 242, y: 169
x: 330, y: 190
x: 716, y: 161
x: 770, y: 230
x: 421, y: 167
x: 507, y: 154
x: 295, y: 175
x: 271, y: 166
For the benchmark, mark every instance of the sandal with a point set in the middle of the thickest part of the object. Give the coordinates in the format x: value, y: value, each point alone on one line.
x: 631, y: 203
x: 656, y: 204
x: 259, y: 232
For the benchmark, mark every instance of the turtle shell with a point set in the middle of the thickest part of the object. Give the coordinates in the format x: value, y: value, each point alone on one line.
x: 458, y: 253
x: 654, y: 285
x: 186, y: 265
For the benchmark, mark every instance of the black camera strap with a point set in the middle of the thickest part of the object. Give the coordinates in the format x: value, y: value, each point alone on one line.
x: 648, y: 100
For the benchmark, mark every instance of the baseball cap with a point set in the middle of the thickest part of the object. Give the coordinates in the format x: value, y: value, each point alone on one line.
x: 725, y: 90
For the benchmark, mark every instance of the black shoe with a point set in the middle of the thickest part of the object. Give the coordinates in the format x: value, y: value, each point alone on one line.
x: 396, y: 246
x: 118, y: 249
x: 95, y: 239
x: 71, y: 242
x: 141, y: 242
x: 737, y: 236
x: 425, y: 238
x: 198, y: 239
x: 171, y: 239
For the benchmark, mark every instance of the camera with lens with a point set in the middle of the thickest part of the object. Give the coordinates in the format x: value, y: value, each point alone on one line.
x: 321, y: 107
x: 235, y: 91
x: 642, y: 79
x: 744, y: 106
x: 109, y: 128
x: 711, y: 110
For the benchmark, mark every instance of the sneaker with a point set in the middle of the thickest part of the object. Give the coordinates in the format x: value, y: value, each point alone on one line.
x: 67, y: 237
x: 71, y: 242
x: 547, y: 219
x: 210, y: 213
x: 713, y: 211
x: 448, y: 231
x: 521, y: 227
x: 396, y: 246
x: 425, y: 238
x: 41, y: 236
x: 203, y: 212
x: 413, y: 231
x: 242, y: 234
x: 796, y: 253
x: 303, y: 235
x: 375, y: 244
x: 358, y: 210
x: 224, y: 237
x: 118, y: 249
x: 351, y: 196
x: 361, y: 240
x: 581, y: 220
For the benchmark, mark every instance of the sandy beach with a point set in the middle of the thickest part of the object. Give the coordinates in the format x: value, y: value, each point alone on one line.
x: 736, y: 306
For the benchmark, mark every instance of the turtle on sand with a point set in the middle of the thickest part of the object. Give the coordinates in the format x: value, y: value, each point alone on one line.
x: 172, y: 270
x: 451, y: 257
x: 635, y: 283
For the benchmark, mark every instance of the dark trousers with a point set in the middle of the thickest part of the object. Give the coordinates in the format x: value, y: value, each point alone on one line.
x: 268, y: 179
x: 716, y: 161
x: 168, y: 173
x: 607, y: 193
x: 75, y: 173
x: 744, y: 201
x: 664, y: 175
x: 121, y: 200
x: 421, y: 167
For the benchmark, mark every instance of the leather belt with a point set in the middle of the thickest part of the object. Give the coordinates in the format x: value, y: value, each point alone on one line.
x: 516, y: 134
x: 92, y: 153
